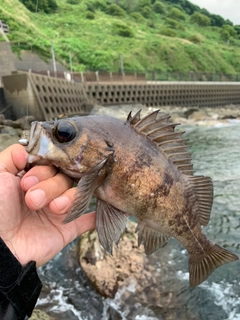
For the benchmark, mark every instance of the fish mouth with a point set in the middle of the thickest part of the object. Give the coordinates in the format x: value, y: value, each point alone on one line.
x: 39, y: 160
x: 39, y: 145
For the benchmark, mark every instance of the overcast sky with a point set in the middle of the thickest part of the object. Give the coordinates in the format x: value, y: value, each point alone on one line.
x: 228, y: 9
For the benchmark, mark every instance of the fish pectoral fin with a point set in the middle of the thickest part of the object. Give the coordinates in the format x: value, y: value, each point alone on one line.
x: 110, y: 224
x: 151, y: 239
x: 201, y: 268
x: 203, y: 189
x: 84, y: 192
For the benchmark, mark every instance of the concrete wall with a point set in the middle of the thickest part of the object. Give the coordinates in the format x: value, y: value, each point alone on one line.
x: 6, y: 59
x: 166, y: 93
x: 44, y: 97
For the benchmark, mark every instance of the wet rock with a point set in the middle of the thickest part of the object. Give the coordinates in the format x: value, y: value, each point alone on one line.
x: 198, y: 115
x: 39, y: 315
x: 107, y: 273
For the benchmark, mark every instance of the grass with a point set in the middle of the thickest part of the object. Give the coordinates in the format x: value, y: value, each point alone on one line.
x: 96, y: 45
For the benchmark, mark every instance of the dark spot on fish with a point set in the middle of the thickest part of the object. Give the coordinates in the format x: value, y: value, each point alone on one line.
x: 143, y: 160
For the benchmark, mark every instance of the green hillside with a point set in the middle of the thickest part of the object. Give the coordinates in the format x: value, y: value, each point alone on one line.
x: 150, y: 35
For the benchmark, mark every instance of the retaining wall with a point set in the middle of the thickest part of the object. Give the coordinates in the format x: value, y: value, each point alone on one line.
x: 208, y: 94
x: 44, y: 97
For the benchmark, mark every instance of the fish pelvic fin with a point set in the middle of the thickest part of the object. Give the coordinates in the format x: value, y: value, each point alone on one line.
x: 110, y: 224
x: 200, y: 269
x: 151, y: 239
x: 84, y: 193
x: 163, y: 134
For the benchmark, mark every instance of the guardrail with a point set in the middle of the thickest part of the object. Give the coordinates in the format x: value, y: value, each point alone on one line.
x: 4, y: 26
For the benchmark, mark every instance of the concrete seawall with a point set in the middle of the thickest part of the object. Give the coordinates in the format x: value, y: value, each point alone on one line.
x: 207, y: 94
x: 44, y: 97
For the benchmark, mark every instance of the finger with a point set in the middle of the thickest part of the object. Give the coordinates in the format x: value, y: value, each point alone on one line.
x: 13, y: 159
x: 62, y: 204
x: 36, y: 175
x: 45, y: 191
x: 85, y: 223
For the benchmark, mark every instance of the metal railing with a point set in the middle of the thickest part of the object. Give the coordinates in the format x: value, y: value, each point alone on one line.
x: 191, y: 76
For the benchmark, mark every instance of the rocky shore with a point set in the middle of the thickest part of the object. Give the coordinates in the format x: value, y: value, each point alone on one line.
x: 129, y: 266
x: 11, y: 131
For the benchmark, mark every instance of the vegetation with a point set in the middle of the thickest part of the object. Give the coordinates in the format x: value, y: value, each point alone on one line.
x: 161, y: 35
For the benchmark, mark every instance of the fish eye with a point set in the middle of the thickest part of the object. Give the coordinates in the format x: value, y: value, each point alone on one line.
x: 64, y: 131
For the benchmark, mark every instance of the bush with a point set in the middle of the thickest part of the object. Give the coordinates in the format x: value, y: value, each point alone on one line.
x: 225, y: 35
x: 89, y: 15
x: 144, y: 3
x: 176, y: 14
x: 115, y: 10
x: 174, y: 24
x: 168, y: 32
x: 47, y: 6
x: 151, y: 24
x: 196, y: 38
x: 158, y: 7
x: 230, y: 30
x: 122, y: 30
x: 73, y: 2
x: 200, y: 19
x: 137, y: 16
x: 96, y: 5
x: 146, y: 12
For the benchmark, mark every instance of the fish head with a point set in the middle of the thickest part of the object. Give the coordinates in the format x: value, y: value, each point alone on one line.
x: 69, y: 144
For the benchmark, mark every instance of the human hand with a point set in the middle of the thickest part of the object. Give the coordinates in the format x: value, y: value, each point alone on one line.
x: 33, y: 207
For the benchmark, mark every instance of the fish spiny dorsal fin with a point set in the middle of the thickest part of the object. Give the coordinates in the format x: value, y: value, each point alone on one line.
x: 160, y: 131
x: 133, y: 119
x: 203, y: 190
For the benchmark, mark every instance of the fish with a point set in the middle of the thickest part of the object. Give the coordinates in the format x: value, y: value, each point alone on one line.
x: 140, y: 167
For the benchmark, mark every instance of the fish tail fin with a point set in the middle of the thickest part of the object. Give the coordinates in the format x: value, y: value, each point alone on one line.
x: 201, y: 268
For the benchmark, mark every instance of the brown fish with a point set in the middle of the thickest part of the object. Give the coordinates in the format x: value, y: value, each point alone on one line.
x: 141, y: 167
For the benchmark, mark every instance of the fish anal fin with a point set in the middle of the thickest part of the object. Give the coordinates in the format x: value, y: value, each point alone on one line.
x: 110, y: 224
x: 84, y: 193
x: 203, y: 190
x: 201, y: 268
x: 151, y: 239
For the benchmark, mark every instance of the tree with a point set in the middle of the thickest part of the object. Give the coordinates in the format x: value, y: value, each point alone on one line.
x: 48, y: 6
x: 176, y: 14
x: 230, y: 30
x: 200, y: 19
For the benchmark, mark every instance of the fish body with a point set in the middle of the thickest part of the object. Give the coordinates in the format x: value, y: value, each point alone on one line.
x: 140, y: 167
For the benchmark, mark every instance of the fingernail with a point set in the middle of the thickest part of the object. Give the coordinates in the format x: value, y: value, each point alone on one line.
x: 61, y: 202
x: 30, y: 182
x: 38, y: 197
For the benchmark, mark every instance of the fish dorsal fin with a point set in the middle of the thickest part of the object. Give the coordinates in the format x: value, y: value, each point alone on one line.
x: 203, y: 190
x: 110, y: 224
x: 84, y: 192
x: 166, y: 138
x: 151, y: 239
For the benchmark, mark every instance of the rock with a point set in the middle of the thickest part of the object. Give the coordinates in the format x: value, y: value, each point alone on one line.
x: 6, y: 140
x: 39, y: 315
x: 7, y: 122
x: 23, y: 122
x: 2, y: 118
x: 8, y: 130
x: 198, y: 115
x: 108, y: 272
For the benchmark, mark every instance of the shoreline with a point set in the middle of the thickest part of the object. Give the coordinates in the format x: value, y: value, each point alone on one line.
x: 185, y: 116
